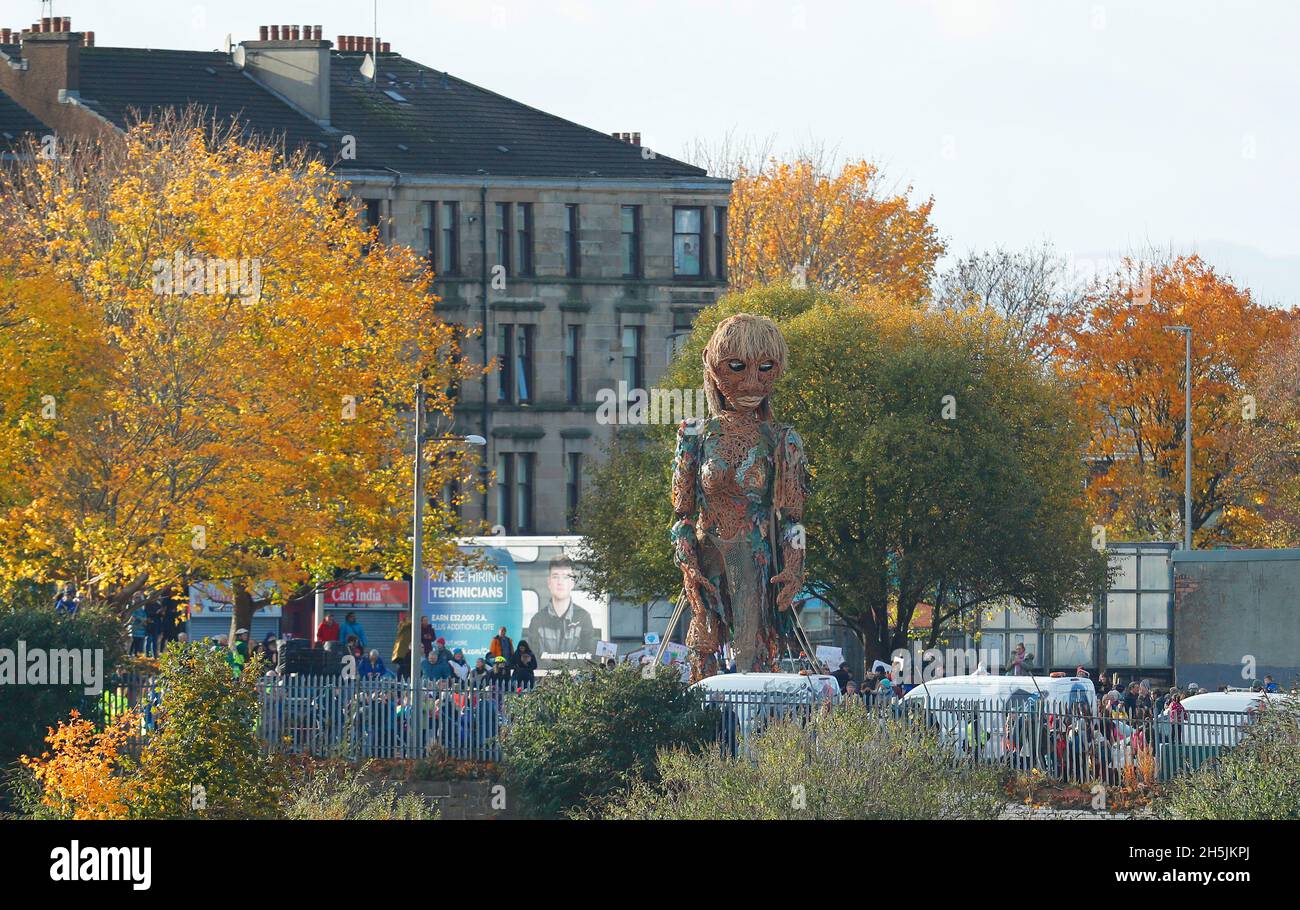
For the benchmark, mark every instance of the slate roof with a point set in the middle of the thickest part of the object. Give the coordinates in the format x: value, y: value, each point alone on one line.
x: 441, y: 125
x: 120, y: 83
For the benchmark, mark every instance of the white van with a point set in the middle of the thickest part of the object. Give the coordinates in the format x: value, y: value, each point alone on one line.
x: 974, y: 711
x: 1003, y: 692
x: 747, y: 697
x: 1219, y: 718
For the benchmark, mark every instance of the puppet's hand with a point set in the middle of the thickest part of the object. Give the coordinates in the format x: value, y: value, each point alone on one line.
x: 788, y: 583
x: 695, y: 581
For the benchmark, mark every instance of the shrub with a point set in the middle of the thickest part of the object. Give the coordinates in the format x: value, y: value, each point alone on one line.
x: 205, y: 759
x: 26, y: 712
x: 844, y: 763
x: 346, y: 794
x: 579, y: 738
x: 1257, y: 779
x: 79, y: 776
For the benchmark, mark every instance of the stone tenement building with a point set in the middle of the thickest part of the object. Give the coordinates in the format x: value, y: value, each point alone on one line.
x: 584, y: 254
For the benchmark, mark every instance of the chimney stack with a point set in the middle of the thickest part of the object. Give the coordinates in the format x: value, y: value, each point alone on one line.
x: 294, y: 61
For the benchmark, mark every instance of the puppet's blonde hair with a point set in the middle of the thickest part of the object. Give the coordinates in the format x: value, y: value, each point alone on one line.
x: 746, y: 337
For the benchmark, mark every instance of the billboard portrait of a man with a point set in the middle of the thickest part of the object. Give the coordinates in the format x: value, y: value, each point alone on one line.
x: 561, y: 628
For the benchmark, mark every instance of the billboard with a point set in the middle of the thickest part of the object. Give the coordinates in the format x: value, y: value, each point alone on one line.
x: 528, y: 585
x: 217, y: 598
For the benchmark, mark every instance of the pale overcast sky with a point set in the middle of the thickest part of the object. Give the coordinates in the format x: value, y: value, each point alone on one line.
x: 1101, y: 126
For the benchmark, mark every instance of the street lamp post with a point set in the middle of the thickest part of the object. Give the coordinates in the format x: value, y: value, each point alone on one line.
x: 1186, y: 331
x: 418, y: 585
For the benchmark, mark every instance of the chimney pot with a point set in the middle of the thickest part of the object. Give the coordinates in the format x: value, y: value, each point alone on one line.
x: 89, y: 39
x: 385, y: 48
x: 66, y: 25
x: 263, y: 32
x: 275, y: 33
x: 47, y: 24
x: 284, y: 32
x: 315, y: 32
x: 636, y: 138
x: 4, y: 36
x: 294, y: 33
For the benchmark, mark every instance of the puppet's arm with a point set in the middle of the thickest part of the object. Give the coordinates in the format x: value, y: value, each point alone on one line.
x: 789, y: 494
x: 686, y: 465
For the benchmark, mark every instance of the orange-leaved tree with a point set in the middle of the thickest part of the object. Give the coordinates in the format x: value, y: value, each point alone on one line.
x: 253, y: 351
x: 1267, y: 444
x: 1127, y: 367
x: 80, y: 776
x: 800, y: 221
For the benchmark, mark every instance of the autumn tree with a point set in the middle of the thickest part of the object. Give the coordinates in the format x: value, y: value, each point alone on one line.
x: 1265, y: 507
x: 806, y: 221
x: 946, y: 470
x: 229, y: 354
x: 1127, y: 371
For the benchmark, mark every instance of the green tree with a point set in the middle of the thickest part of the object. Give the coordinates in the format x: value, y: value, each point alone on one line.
x: 575, y: 739
x: 946, y: 469
x: 205, y: 759
x: 26, y: 711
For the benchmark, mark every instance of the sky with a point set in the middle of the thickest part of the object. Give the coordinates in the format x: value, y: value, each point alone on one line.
x: 1104, y: 128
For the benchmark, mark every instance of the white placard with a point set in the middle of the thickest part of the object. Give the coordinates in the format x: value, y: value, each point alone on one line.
x: 830, y: 656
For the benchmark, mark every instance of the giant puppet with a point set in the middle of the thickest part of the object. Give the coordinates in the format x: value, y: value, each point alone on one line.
x: 739, y: 484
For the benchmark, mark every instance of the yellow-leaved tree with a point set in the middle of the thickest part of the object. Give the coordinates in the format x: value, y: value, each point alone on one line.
x: 222, y: 361
x: 801, y: 222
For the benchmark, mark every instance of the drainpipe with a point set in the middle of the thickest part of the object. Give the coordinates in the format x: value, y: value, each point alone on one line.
x: 483, y: 420
x: 392, y: 197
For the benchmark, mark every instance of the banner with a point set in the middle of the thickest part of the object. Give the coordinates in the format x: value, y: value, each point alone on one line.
x: 530, y: 589
x: 367, y: 595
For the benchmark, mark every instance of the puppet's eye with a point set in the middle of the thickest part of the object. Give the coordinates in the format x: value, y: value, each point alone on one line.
x: 765, y: 366
x: 736, y: 365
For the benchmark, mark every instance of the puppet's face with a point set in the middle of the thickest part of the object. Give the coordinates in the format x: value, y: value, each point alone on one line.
x: 745, y: 383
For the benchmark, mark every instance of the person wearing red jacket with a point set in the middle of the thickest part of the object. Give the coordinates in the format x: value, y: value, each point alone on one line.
x: 328, y: 630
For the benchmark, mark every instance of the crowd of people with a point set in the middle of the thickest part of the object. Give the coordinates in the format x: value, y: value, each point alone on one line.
x: 504, y: 664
